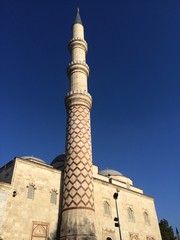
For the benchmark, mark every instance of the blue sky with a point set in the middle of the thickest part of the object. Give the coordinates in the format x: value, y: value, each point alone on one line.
x: 134, y: 59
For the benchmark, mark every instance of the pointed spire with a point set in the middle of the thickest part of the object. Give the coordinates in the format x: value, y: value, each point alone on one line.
x: 78, y: 18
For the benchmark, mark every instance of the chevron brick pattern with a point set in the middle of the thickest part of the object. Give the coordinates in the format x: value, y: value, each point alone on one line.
x: 78, y: 185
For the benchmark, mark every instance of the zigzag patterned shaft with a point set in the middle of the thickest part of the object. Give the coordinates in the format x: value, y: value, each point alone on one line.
x: 78, y: 186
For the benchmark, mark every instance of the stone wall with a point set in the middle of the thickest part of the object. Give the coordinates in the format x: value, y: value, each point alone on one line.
x: 25, y: 217
x: 132, y: 206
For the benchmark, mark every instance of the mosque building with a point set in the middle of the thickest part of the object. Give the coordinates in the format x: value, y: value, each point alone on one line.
x: 70, y: 198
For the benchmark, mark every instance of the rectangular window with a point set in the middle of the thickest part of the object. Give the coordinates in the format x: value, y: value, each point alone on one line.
x: 30, y: 193
x: 53, y: 197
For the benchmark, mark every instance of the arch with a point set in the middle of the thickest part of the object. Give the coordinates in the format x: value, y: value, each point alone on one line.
x: 134, y: 236
x: 106, y: 208
x: 130, y: 214
x: 146, y: 217
x: 39, y: 231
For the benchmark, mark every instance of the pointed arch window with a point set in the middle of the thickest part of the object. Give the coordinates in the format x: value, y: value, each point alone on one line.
x: 150, y: 238
x: 31, y: 191
x: 130, y: 214
x: 134, y: 236
x: 106, y: 208
x: 146, y: 218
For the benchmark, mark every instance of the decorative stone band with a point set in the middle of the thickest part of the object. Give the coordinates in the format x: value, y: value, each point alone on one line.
x: 78, y: 42
x: 77, y: 66
x: 78, y: 98
x: 78, y: 91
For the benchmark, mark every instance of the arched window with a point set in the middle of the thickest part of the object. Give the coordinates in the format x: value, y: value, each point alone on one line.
x: 31, y: 191
x: 150, y: 238
x: 134, y: 236
x: 53, y: 197
x: 106, y: 208
x: 146, y: 217
x: 108, y: 238
x: 130, y: 214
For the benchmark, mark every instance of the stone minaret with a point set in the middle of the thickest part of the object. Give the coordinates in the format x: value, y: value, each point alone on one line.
x: 78, y: 199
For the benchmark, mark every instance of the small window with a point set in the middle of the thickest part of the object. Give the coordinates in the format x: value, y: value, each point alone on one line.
x: 146, y: 217
x: 53, y: 197
x: 131, y: 214
x: 108, y: 238
x: 106, y: 208
x: 134, y: 236
x: 150, y: 238
x: 31, y: 191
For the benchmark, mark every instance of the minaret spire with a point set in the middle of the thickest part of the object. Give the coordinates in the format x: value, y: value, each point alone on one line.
x: 78, y: 17
x: 78, y: 194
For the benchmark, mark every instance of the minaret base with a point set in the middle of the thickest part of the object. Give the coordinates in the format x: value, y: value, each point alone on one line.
x: 78, y: 225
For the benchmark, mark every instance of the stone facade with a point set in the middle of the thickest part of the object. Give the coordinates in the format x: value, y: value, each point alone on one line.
x: 37, y: 217
x: 22, y: 214
x: 70, y: 199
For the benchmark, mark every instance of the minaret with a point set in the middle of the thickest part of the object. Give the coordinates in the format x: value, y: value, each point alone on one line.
x: 78, y: 199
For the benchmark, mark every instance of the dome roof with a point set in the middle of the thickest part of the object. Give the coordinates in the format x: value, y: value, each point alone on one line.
x: 58, y: 161
x: 33, y: 159
x: 110, y: 172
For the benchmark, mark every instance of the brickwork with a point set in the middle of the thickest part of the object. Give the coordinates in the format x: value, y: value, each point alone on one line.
x: 78, y: 186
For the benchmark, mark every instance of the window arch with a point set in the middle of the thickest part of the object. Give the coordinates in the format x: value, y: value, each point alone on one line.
x: 31, y: 191
x: 106, y: 208
x: 134, y: 236
x: 130, y: 214
x: 146, y: 217
x: 150, y: 238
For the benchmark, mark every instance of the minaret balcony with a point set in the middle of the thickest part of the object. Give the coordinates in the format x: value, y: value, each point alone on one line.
x: 78, y: 42
x: 78, y: 66
x: 78, y: 97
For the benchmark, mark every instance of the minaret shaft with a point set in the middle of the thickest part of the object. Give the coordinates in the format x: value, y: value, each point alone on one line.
x: 78, y: 197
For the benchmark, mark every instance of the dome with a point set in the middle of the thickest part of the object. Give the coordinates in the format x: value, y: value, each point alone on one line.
x: 35, y: 159
x: 58, y: 161
x: 110, y: 172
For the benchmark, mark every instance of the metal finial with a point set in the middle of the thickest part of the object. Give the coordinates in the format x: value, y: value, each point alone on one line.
x: 78, y: 18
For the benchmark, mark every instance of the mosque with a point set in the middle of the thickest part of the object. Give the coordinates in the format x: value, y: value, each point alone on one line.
x: 70, y: 198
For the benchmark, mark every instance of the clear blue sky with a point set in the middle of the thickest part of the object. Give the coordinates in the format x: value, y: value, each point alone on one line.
x: 134, y: 59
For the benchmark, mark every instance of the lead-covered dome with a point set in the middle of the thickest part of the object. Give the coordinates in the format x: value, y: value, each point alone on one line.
x: 58, y: 162
x: 32, y: 158
x: 110, y: 172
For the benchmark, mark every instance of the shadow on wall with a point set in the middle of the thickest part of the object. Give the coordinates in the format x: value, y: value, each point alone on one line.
x: 52, y: 236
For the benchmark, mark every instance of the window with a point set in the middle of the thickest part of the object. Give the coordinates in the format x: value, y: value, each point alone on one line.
x: 150, y: 238
x: 106, y: 208
x: 146, y: 217
x: 108, y: 238
x: 130, y: 214
x: 134, y: 236
x: 31, y: 191
x: 53, y: 197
